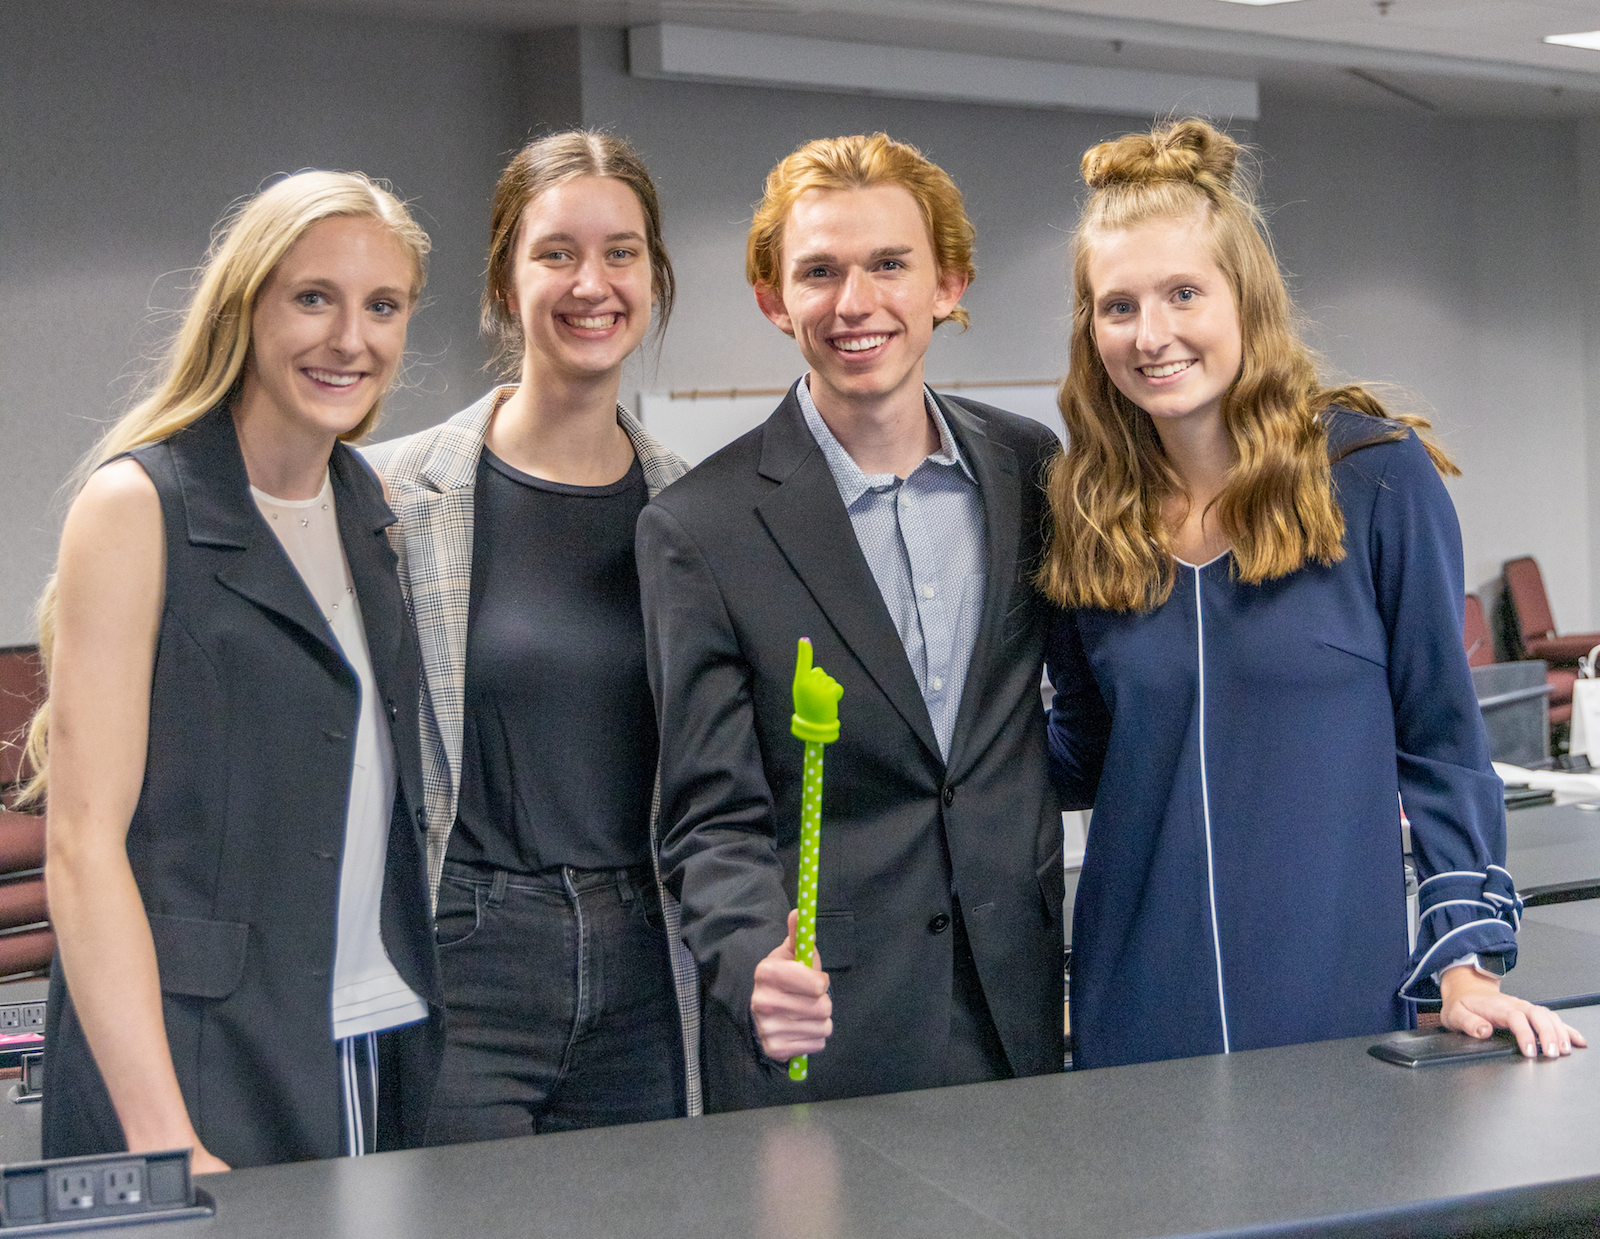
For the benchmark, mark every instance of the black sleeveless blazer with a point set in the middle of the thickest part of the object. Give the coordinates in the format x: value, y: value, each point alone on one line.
x: 237, y: 837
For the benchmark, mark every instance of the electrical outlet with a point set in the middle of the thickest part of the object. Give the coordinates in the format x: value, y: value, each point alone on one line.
x: 122, y: 1185
x: 10, y: 1018
x: 33, y: 1016
x: 73, y: 1190
x: 72, y: 1193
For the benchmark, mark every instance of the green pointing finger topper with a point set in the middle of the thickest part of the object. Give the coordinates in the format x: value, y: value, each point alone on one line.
x: 816, y: 721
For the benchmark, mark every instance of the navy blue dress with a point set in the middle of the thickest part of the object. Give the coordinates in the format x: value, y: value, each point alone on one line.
x: 1246, y: 749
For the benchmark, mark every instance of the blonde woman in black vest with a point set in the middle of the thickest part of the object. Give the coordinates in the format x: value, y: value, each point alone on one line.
x: 235, y: 843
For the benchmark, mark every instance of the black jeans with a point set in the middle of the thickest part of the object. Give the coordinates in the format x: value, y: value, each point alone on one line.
x: 560, y: 1007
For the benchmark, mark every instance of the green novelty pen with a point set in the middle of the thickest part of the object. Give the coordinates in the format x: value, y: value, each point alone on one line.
x: 816, y: 721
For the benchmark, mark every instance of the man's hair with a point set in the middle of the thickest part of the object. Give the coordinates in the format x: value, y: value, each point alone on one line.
x: 861, y: 162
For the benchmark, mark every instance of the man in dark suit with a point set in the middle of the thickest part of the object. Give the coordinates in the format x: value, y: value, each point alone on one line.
x: 899, y: 531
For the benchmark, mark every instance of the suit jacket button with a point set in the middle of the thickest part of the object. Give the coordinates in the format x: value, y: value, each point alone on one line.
x: 422, y: 818
x: 394, y: 710
x: 939, y: 923
x: 949, y: 796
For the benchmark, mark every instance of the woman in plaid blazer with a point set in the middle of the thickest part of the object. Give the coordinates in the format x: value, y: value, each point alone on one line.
x: 571, y: 1001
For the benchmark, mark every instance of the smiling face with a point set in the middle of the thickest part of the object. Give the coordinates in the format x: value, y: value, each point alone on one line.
x: 580, y: 278
x: 328, y: 328
x: 860, y: 291
x: 1165, y: 322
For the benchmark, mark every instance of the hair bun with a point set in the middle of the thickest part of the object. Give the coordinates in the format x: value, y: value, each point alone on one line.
x: 1190, y: 151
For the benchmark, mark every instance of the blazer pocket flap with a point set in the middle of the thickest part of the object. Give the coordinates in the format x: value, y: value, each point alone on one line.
x: 836, y: 940
x: 199, y: 959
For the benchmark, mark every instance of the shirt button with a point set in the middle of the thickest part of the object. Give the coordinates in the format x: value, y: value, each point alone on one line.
x: 938, y: 684
x: 949, y: 796
x: 927, y: 591
x: 939, y: 924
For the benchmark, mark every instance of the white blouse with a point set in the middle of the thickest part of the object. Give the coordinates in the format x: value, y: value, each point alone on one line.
x: 368, y: 993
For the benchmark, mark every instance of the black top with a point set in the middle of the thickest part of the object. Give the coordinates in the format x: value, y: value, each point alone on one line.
x: 559, y: 752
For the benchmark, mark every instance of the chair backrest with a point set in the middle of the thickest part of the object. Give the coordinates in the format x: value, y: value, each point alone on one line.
x: 22, y: 688
x: 1475, y: 634
x: 1525, y: 589
x: 26, y: 939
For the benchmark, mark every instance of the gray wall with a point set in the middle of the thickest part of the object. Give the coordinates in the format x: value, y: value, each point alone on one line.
x: 1449, y: 257
x: 130, y: 127
x: 1438, y: 255
x: 710, y: 148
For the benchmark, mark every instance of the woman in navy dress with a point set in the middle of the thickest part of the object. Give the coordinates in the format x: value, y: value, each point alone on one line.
x: 1259, y: 657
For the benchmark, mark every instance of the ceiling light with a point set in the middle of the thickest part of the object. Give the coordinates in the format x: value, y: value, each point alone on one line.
x: 1589, y: 39
x: 1259, y: 3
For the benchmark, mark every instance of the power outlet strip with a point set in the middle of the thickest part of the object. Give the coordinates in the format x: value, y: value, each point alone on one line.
x: 21, y: 1017
x: 43, y: 1198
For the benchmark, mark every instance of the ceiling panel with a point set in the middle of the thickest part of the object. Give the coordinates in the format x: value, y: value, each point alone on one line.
x: 1459, y: 57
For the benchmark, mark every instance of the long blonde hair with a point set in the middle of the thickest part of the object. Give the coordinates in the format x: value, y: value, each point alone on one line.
x: 205, y: 361
x: 1110, y: 547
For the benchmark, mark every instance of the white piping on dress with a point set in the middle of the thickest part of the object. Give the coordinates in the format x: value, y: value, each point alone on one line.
x: 1205, y: 805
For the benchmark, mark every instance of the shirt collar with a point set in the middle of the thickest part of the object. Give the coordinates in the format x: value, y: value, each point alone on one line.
x: 852, y: 482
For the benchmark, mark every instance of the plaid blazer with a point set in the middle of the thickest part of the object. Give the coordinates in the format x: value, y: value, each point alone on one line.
x: 431, y: 478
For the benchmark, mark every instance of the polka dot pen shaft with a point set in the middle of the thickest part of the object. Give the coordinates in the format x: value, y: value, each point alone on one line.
x: 816, y: 721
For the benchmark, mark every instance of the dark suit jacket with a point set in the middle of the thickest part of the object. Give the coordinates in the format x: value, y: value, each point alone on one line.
x: 238, y: 834
x: 747, y: 553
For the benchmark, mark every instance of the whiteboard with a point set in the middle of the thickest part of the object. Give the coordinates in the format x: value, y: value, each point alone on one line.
x: 696, y: 426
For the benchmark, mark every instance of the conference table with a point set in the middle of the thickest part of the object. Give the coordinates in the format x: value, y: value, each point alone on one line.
x: 1558, y: 955
x: 1312, y: 1139
x: 1553, y: 852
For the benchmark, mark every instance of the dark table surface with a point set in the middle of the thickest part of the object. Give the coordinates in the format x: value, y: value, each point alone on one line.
x: 1558, y: 955
x: 1315, y: 1139
x: 1554, y: 850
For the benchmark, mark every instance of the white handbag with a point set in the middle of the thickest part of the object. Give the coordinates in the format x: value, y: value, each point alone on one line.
x: 1585, y: 736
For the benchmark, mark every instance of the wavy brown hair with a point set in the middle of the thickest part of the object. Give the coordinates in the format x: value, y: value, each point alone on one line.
x: 861, y: 161
x: 1110, y: 547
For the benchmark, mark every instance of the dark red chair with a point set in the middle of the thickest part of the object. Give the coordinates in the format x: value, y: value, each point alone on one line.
x: 1475, y: 634
x: 22, y: 688
x: 1533, y: 628
x: 26, y: 939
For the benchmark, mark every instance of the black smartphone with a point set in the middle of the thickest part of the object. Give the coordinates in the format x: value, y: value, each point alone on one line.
x: 1422, y: 1049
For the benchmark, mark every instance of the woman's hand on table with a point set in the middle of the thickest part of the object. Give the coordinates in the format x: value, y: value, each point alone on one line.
x: 201, y: 1161
x: 1474, y: 1004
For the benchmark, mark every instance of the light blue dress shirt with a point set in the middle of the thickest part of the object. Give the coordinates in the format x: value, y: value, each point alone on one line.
x: 923, y: 538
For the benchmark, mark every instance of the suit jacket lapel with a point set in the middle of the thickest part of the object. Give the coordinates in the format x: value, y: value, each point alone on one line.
x: 995, y: 467
x: 807, y: 519
x: 220, y: 512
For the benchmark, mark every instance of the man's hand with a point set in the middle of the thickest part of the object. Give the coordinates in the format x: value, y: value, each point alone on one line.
x: 1473, y: 1004
x: 790, y: 1004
